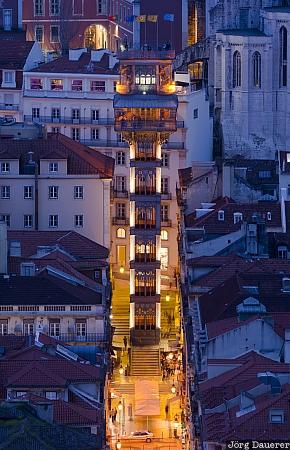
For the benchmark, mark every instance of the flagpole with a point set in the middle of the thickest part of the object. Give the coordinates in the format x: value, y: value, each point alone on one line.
x: 157, y: 34
x: 145, y: 32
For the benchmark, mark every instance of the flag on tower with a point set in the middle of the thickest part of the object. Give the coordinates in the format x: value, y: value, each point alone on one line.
x: 168, y: 17
x: 141, y: 18
x: 113, y: 18
x: 152, y: 19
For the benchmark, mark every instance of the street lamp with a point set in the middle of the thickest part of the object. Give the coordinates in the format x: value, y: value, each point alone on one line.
x: 111, y: 316
x: 122, y: 269
x: 167, y: 297
x: 121, y: 370
x: 120, y: 406
x: 173, y: 389
x: 118, y: 445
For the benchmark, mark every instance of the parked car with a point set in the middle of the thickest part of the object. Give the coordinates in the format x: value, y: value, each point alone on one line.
x: 145, y: 435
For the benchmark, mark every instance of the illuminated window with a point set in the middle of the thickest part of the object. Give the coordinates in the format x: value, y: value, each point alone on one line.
x: 121, y: 233
x: 56, y: 85
x: 164, y: 235
x: 39, y: 33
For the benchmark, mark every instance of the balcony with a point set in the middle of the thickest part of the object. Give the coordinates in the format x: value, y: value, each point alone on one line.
x: 7, y: 107
x: 120, y: 221
x: 69, y: 120
x: 166, y: 222
x: 145, y: 125
x: 115, y: 193
x: 146, y: 54
x: 103, y: 143
x: 86, y: 337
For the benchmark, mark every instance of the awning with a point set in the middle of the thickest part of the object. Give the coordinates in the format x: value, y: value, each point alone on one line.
x: 145, y: 101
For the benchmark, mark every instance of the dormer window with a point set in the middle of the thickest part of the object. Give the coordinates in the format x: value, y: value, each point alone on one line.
x: 56, y: 85
x: 53, y: 167
x: 221, y: 215
x: 282, y: 252
x: 269, y: 215
x: 77, y: 85
x: 238, y: 217
x: 5, y: 167
x: 286, y: 285
x: 276, y: 416
x: 8, y: 79
x: 36, y: 83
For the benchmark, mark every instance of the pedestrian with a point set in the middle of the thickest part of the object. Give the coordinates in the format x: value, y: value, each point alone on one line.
x: 125, y: 342
x: 166, y: 411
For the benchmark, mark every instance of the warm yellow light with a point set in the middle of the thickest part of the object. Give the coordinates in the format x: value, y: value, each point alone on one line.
x: 175, y: 424
x: 167, y: 298
x: 120, y: 406
x: 170, y: 356
x: 119, y: 445
x: 111, y: 316
x: 122, y: 269
x: 173, y: 389
x: 121, y: 370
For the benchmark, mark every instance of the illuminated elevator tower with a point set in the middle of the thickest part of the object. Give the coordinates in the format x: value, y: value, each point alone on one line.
x: 145, y: 113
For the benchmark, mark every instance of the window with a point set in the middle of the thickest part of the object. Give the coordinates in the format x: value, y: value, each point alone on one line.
x: 54, y: 327
x: 121, y: 210
x: 27, y: 192
x: 55, y: 114
x: 53, y: 221
x: 165, y: 160
x: 56, y: 85
x: 102, y: 6
x: 164, y: 258
x: 264, y: 174
x: 36, y: 83
x: 6, y: 219
x: 164, y: 235
x: 75, y: 114
x: 53, y: 192
x: 164, y: 213
x: 8, y: 77
x: 3, y: 327
x: 35, y: 112
x: 236, y: 69
x: 81, y: 327
x: 7, y: 19
x: 75, y: 134
x: 38, y: 8
x: 55, y: 130
x: 95, y: 134
x: 120, y: 158
x: 79, y: 220
x: 76, y: 85
x: 238, y: 217
x: 5, y: 167
x: 51, y: 395
x: 28, y: 327
x: 269, y: 215
x: 115, y: 86
x: 257, y: 69
x: 121, y: 233
x: 276, y: 416
x: 195, y: 113
x: 98, y: 86
x: 28, y: 221
x: 27, y: 269
x: 145, y: 75
x: 53, y: 167
x: 78, y: 7
x: 95, y: 114
x: 5, y: 192
x: 79, y: 192
x: 282, y: 252
x: 54, y: 33
x: 120, y: 183
x: 39, y: 33
x: 221, y: 215
x: 164, y: 185
x: 283, y: 57
x: 54, y: 7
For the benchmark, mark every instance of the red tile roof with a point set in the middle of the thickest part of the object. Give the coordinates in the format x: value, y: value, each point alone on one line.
x: 81, y: 160
x: 13, y: 54
x: 212, y: 225
x: 82, y: 66
x: 76, y: 245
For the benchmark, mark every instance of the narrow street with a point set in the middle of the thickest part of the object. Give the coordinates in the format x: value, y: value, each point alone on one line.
x: 161, y: 367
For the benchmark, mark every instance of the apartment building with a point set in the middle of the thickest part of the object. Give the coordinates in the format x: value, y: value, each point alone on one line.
x: 11, y: 15
x: 55, y: 183
x: 15, y: 57
x: 59, y: 25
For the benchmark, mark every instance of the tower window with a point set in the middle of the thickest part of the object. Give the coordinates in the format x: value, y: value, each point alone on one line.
x: 283, y: 57
x: 257, y: 69
x: 236, y: 69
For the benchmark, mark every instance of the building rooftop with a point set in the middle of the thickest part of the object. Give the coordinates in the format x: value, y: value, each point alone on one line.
x: 14, y: 53
x: 81, y: 160
x: 242, y: 32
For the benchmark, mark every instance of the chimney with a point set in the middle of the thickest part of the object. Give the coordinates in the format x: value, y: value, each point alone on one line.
x: 136, y: 25
x: 287, y: 346
x: 3, y: 248
x: 283, y: 211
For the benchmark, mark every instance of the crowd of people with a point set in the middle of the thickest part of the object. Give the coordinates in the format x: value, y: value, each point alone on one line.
x: 171, y: 366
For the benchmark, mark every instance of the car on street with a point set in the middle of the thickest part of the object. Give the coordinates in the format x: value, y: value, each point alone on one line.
x: 143, y: 435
